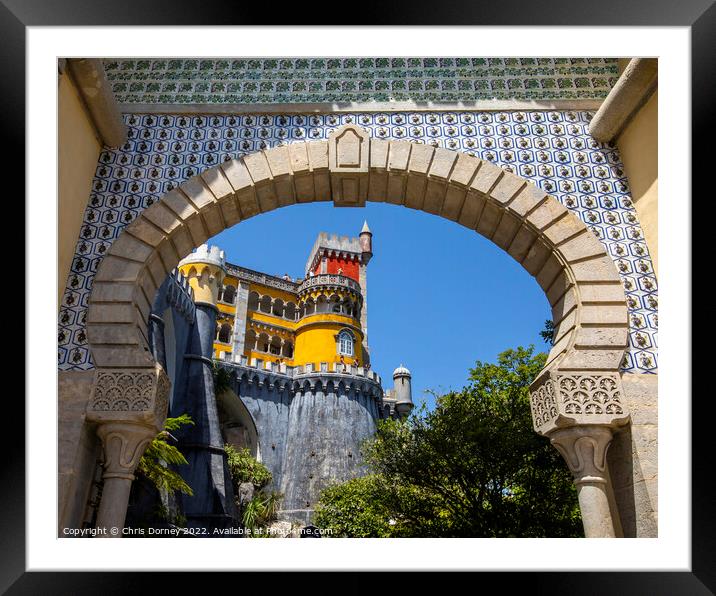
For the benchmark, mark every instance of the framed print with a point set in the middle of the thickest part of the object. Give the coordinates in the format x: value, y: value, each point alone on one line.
x: 230, y: 201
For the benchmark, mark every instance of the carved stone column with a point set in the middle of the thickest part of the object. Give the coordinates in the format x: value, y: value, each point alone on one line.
x: 584, y: 448
x: 129, y: 407
x: 579, y: 412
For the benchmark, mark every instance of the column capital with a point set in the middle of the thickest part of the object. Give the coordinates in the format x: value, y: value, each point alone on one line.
x: 129, y: 405
x: 561, y: 399
x: 132, y: 395
x: 584, y: 448
x: 124, y: 444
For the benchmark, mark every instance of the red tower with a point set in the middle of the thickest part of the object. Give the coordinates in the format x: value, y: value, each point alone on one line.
x: 345, y: 256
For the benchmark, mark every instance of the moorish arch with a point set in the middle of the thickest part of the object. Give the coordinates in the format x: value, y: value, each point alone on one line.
x: 577, y: 399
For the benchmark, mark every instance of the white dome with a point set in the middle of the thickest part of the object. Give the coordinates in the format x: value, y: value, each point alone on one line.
x: 401, y: 371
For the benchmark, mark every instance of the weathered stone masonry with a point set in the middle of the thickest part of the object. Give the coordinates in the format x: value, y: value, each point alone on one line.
x: 569, y: 263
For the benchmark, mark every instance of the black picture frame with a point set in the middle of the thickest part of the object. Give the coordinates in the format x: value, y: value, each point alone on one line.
x: 700, y: 15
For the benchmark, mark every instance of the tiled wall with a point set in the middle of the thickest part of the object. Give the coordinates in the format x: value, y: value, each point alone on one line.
x: 553, y: 149
x: 321, y: 80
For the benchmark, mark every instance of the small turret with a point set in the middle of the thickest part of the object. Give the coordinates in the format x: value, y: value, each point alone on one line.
x: 204, y: 269
x: 402, y: 391
x: 366, y: 242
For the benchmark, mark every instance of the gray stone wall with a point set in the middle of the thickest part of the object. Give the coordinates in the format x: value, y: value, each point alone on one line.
x: 267, y: 398
x: 310, y: 428
x: 79, y: 448
x: 328, y: 422
x: 633, y: 459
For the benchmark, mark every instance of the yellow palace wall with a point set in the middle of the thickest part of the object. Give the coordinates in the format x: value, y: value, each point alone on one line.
x: 316, y: 340
x: 639, y: 149
x: 314, y: 337
x: 79, y: 149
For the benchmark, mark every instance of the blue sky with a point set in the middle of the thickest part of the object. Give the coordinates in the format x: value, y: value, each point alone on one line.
x: 440, y: 296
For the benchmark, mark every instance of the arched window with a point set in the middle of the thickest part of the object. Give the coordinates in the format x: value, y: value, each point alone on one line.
x: 229, y: 294
x: 345, y: 343
x: 225, y: 333
x: 265, y: 304
x: 250, y: 340
x: 277, y: 308
x: 335, y: 304
x: 262, y: 344
x: 275, y: 346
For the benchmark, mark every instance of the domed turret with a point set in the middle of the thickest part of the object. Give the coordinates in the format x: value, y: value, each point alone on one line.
x: 401, y: 371
x: 402, y: 391
x: 204, y: 269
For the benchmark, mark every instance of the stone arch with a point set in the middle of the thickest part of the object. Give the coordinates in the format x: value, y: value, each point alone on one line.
x: 570, y: 264
x: 235, y: 415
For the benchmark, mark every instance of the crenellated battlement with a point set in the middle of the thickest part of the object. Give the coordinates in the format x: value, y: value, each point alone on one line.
x: 331, y: 369
x: 206, y: 254
x: 342, y: 246
x: 180, y: 294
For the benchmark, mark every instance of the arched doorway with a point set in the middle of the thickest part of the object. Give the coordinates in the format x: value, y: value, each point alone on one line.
x: 576, y: 399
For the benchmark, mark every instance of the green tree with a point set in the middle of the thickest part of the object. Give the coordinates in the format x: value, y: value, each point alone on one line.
x: 547, y: 333
x: 357, y: 509
x: 471, y: 467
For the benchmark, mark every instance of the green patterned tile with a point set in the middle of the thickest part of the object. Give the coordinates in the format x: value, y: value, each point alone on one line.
x: 384, y: 79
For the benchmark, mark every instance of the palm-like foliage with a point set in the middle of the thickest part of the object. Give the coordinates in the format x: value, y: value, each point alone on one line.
x: 160, y: 455
x: 261, y: 510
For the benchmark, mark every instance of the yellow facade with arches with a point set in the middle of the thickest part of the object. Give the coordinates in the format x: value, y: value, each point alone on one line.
x: 316, y: 320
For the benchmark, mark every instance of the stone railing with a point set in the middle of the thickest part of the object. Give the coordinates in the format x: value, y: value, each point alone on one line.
x: 329, y: 279
x: 261, y: 278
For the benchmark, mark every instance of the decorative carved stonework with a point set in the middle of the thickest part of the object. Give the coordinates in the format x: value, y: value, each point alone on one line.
x: 136, y: 395
x: 124, y: 443
x: 585, y: 451
x: 129, y: 406
x: 348, y: 161
x: 565, y: 399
